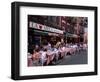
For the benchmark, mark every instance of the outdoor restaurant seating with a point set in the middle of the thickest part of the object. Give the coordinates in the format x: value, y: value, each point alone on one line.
x: 47, y: 56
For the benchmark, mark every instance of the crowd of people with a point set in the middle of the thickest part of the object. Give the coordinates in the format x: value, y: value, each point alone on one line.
x: 49, y: 54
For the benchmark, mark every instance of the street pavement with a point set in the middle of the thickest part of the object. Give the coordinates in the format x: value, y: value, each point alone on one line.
x: 78, y: 58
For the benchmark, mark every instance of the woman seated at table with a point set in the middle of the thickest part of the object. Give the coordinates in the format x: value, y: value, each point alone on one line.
x: 36, y: 57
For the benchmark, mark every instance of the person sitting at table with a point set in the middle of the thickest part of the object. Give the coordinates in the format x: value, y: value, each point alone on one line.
x: 50, y: 55
x: 56, y: 51
x: 36, y: 57
x: 29, y: 59
x: 64, y: 49
x: 43, y: 56
x: 61, y: 51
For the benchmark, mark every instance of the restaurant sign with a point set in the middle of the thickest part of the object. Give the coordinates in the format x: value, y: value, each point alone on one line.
x: 44, y: 27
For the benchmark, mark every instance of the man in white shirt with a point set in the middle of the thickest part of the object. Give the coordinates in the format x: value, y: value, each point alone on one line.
x: 43, y: 57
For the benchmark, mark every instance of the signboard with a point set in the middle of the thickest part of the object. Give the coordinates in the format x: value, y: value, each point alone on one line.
x: 43, y: 27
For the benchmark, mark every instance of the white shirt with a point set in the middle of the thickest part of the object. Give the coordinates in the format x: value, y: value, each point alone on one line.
x: 43, y: 54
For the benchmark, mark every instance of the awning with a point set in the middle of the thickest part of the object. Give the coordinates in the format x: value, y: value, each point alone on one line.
x: 71, y: 35
x: 37, y: 32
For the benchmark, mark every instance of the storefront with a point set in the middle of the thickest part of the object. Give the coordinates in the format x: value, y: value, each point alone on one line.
x: 40, y: 34
x: 72, y: 38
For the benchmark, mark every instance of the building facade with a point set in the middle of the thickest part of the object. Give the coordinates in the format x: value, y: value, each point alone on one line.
x: 43, y: 29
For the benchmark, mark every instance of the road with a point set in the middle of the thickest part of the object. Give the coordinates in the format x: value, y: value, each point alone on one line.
x: 78, y: 58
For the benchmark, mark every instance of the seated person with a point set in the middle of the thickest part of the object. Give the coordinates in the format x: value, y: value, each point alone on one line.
x: 43, y: 56
x: 36, y: 56
x: 29, y: 59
